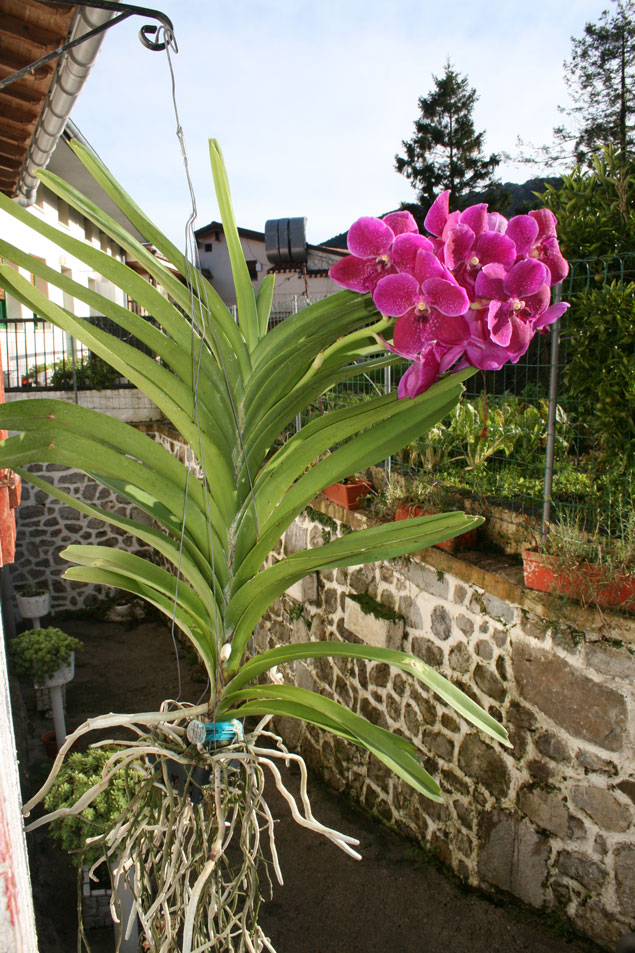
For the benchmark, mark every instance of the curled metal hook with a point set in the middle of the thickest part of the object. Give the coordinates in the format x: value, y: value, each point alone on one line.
x: 124, y: 10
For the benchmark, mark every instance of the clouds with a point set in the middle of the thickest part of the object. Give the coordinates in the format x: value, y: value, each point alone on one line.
x: 311, y: 102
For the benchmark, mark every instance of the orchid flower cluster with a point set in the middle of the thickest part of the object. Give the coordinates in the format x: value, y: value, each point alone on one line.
x: 473, y: 292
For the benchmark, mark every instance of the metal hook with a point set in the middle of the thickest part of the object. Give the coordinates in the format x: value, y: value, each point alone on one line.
x: 125, y: 11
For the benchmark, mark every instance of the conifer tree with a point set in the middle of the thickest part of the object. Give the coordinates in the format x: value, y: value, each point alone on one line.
x: 600, y: 77
x: 446, y: 152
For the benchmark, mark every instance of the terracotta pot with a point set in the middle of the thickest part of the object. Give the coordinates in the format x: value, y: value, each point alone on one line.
x: 50, y: 743
x: 348, y: 494
x: 584, y: 582
x: 406, y: 511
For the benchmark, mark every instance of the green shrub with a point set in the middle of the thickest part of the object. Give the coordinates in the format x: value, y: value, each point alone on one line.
x: 38, y: 653
x: 79, y: 773
x: 600, y: 369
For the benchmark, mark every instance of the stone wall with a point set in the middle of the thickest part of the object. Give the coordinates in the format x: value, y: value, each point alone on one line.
x: 45, y: 526
x: 549, y: 820
x: 125, y: 403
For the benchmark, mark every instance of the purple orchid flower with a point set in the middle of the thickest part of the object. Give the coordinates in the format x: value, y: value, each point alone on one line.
x: 429, y: 305
x: 535, y: 237
x: 370, y: 241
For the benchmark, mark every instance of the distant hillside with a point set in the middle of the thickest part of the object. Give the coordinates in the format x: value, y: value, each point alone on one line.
x: 510, y: 198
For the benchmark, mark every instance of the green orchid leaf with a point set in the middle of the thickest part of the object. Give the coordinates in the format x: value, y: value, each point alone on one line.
x: 402, y: 758
x: 409, y: 664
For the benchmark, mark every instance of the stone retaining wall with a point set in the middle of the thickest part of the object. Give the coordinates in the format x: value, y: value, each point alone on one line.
x: 549, y: 820
x: 45, y: 526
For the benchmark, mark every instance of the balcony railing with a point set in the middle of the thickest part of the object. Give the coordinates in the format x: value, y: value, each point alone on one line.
x: 38, y: 356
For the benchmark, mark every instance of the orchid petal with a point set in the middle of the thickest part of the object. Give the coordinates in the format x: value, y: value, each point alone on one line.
x: 546, y: 221
x: 525, y: 278
x: 552, y: 314
x: 427, y: 265
x: 419, y: 376
x: 396, y: 294
x: 405, y: 248
x: 553, y: 259
x: 489, y: 282
x: 369, y: 238
x: 523, y: 231
x: 356, y: 274
x: 496, y: 223
x: 476, y: 218
x: 448, y: 330
x: 499, y: 323
x: 448, y: 298
x: 492, y: 247
x: 458, y: 245
x: 409, y: 335
x: 436, y: 218
x: 400, y: 222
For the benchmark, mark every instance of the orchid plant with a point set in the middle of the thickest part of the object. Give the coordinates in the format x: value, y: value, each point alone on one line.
x: 218, y: 382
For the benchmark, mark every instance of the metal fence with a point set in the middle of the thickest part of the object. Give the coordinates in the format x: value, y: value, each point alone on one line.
x: 38, y: 356
x: 520, y: 441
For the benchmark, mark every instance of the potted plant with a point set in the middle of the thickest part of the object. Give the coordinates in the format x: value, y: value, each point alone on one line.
x: 216, y: 533
x: 349, y: 493
x: 45, y: 655
x: 593, y: 568
x: 403, y: 498
x: 34, y: 602
x: 81, y: 834
x: 48, y: 657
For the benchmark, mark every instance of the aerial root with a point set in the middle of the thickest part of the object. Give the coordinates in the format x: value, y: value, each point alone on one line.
x: 191, y: 857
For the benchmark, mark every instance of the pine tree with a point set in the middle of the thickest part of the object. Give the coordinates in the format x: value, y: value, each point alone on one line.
x: 446, y: 152
x: 600, y: 77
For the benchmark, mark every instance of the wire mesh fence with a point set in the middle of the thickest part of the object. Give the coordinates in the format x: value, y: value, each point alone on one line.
x: 492, y: 452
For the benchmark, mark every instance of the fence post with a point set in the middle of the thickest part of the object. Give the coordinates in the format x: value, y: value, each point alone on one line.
x: 551, y: 418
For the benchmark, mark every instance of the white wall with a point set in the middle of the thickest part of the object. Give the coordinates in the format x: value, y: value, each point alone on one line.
x: 45, y: 341
x: 17, y: 923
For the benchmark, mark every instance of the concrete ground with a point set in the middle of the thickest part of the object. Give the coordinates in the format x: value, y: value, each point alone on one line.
x: 394, y: 900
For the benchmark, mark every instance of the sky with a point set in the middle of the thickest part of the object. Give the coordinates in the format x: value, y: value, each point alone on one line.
x: 310, y: 102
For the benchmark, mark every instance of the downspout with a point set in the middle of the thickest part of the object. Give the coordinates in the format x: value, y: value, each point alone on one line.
x: 72, y: 70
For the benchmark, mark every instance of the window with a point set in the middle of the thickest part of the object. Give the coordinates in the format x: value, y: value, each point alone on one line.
x: 208, y: 246
x: 252, y: 267
x: 62, y: 212
x: 42, y: 285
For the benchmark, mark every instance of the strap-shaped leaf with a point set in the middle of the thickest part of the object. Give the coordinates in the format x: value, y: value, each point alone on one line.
x: 186, y: 558
x: 163, y: 275
x: 365, y: 546
x: 264, y: 300
x: 402, y: 422
x: 29, y: 415
x: 245, y: 299
x: 401, y: 757
x: 186, y: 623
x: 231, y: 340
x: 157, y: 382
x: 409, y: 664
x: 127, y: 564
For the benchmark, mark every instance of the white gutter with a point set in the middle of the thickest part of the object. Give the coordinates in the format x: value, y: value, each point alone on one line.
x: 72, y: 70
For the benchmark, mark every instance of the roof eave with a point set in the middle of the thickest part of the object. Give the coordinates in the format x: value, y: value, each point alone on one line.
x: 70, y: 75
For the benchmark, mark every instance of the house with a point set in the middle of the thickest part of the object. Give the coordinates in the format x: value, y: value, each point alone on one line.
x: 303, y: 277
x: 33, y: 113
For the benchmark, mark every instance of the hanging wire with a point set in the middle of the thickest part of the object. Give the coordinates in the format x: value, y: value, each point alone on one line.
x: 199, y: 307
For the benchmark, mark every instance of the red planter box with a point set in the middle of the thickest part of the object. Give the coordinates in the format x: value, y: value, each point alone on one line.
x: 584, y: 583
x: 465, y: 541
x: 348, y: 494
